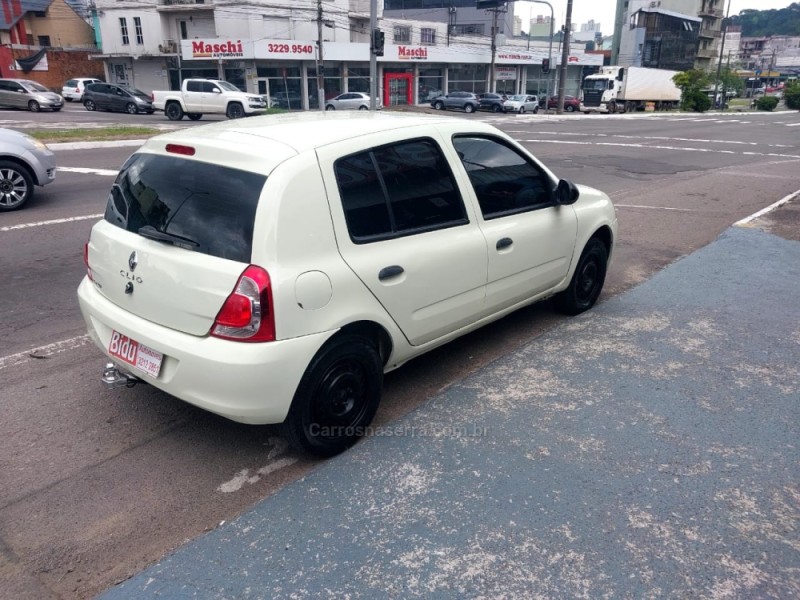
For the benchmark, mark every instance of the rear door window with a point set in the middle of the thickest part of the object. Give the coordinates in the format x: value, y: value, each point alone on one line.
x: 199, y: 206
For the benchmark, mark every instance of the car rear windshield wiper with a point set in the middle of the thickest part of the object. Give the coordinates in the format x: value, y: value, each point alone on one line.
x: 152, y: 233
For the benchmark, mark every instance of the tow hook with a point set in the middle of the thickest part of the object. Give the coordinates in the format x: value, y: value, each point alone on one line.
x: 114, y: 378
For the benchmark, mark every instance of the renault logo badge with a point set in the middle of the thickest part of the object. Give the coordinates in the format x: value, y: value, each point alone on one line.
x: 133, y: 260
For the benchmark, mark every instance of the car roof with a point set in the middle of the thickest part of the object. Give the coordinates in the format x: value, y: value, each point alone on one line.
x: 303, y: 131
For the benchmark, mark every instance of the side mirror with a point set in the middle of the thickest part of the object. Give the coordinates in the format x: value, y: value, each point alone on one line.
x: 566, y: 192
x: 216, y: 91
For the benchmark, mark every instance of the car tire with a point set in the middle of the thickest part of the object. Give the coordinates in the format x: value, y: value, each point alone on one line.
x: 89, y: 105
x: 67, y: 99
x: 16, y: 185
x: 234, y: 111
x: 468, y: 108
x: 536, y: 110
x: 330, y: 107
x: 174, y: 111
x: 439, y: 106
x: 522, y: 110
x: 495, y: 108
x: 587, y: 282
x: 363, y: 107
x: 569, y: 108
x: 194, y: 116
x: 131, y: 109
x: 337, y: 397
x: 57, y: 109
x: 33, y: 106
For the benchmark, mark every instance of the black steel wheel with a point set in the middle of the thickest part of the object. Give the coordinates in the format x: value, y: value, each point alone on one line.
x: 587, y: 281
x: 16, y: 186
x: 174, y: 111
x: 337, y: 397
x: 235, y: 111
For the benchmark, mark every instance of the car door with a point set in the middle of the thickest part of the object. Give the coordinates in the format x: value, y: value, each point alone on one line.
x: 455, y: 99
x: 213, y: 98
x: 403, y: 228
x: 100, y: 93
x: 116, y: 99
x: 18, y: 95
x: 194, y: 96
x: 530, y: 239
x: 5, y: 93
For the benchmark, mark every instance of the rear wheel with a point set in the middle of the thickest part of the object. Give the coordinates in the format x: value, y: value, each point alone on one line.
x: 16, y: 185
x: 330, y: 107
x: 33, y: 106
x: 174, y: 111
x: 587, y: 281
x: 363, y: 108
x: 468, y: 108
x: 89, y: 104
x: 569, y: 108
x: 235, y: 111
x: 536, y: 110
x: 131, y: 108
x: 337, y: 397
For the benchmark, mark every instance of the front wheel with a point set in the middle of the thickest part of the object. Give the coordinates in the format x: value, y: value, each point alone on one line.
x: 174, y: 111
x: 496, y: 108
x: 468, y: 108
x: 235, y: 111
x: 131, y: 108
x: 337, y: 397
x: 569, y: 108
x: 16, y: 186
x: 33, y: 106
x: 522, y: 110
x: 587, y: 281
x: 439, y: 106
x: 363, y: 108
x: 89, y: 105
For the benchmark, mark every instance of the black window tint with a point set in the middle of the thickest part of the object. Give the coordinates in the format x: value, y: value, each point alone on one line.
x: 398, y: 189
x: 208, y: 205
x: 209, y: 87
x: 365, y: 206
x: 503, y: 180
x: 421, y: 188
x: 194, y: 86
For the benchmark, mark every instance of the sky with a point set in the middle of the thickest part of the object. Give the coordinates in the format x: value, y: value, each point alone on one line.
x: 605, y: 10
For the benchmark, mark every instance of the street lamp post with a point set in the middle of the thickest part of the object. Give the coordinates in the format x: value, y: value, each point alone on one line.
x: 550, y: 51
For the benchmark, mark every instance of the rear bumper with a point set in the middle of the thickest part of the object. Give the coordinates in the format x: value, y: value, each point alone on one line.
x: 248, y: 383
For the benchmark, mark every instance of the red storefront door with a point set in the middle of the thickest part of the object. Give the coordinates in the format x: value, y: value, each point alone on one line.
x: 398, y: 89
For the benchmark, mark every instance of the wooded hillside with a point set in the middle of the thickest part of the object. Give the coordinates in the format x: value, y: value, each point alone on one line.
x: 762, y: 23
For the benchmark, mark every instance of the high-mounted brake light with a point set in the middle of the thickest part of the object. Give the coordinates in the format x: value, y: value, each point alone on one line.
x: 86, y: 261
x: 247, y: 314
x: 180, y: 149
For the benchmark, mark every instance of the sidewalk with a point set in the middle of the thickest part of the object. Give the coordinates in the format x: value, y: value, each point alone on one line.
x: 648, y: 448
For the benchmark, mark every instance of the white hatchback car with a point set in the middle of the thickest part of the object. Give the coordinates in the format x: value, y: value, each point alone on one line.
x: 273, y: 269
x: 73, y: 89
x: 351, y: 101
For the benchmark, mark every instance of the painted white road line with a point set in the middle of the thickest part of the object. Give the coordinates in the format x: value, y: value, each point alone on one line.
x: 652, y: 207
x: 50, y: 222
x: 747, y: 220
x: 280, y: 446
x: 647, y: 137
x: 88, y: 171
x: 43, y: 351
x: 793, y: 125
x: 648, y: 147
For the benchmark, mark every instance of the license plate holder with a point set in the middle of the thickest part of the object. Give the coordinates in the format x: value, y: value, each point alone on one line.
x: 137, y: 355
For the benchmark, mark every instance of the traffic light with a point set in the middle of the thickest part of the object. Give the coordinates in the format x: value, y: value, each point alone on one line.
x: 378, y: 39
x: 545, y: 66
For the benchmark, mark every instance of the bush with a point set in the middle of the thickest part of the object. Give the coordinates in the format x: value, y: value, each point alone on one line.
x: 791, y: 95
x: 767, y: 103
x: 695, y: 101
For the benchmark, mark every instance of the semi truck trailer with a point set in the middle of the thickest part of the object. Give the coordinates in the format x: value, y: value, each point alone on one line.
x: 627, y: 89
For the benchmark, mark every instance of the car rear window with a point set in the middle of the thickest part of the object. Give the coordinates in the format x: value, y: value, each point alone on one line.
x: 209, y: 207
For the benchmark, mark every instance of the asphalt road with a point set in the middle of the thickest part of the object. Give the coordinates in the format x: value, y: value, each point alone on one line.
x: 94, y: 485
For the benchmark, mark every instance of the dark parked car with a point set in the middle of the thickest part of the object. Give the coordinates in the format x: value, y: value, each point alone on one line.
x: 571, y: 103
x: 109, y: 96
x: 466, y: 101
x: 493, y: 102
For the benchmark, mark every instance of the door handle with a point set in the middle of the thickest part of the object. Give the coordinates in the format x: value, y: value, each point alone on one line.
x: 504, y: 243
x: 389, y: 272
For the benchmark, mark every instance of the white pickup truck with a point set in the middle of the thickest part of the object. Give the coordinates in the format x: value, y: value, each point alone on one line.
x: 207, y: 96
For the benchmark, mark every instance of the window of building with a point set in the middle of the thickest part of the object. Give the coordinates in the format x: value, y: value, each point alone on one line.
x: 468, y: 29
x: 44, y: 40
x: 358, y: 79
x: 430, y: 84
x: 40, y: 14
x: 123, y: 29
x: 332, y: 82
x: 402, y: 34
x: 504, y: 181
x: 284, y: 86
x: 467, y: 78
x: 398, y: 190
x: 137, y: 26
x: 428, y: 36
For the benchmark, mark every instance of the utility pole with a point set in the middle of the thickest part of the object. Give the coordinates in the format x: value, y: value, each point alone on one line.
x: 562, y: 84
x: 321, y: 67
x: 492, y: 82
x: 721, y: 50
x: 373, y: 57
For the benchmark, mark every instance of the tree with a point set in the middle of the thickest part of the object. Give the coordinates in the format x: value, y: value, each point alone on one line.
x: 791, y: 95
x: 692, y: 84
x: 730, y: 81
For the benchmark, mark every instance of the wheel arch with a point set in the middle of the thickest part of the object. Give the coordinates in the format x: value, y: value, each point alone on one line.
x: 375, y: 333
x: 23, y: 165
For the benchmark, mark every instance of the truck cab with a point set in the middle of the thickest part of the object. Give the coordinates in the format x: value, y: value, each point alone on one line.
x: 599, y: 93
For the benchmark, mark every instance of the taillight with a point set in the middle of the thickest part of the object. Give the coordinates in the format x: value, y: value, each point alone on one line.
x: 86, y: 261
x: 77, y: 90
x: 180, y: 149
x: 247, y: 314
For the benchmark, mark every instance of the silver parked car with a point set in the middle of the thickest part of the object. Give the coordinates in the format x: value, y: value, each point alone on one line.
x: 24, y: 163
x: 521, y: 103
x: 466, y: 101
x: 27, y: 94
x: 351, y: 101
